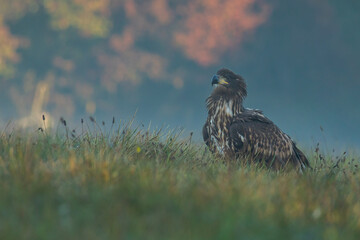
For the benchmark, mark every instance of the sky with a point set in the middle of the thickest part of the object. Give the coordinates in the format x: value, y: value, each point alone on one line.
x: 300, y: 60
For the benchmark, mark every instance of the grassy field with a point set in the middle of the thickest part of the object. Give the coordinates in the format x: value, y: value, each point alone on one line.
x: 129, y: 183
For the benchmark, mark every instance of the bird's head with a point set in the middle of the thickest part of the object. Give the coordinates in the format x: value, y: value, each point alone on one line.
x: 229, y: 84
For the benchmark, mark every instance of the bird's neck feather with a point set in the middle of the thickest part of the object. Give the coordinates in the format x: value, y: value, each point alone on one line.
x: 224, y: 106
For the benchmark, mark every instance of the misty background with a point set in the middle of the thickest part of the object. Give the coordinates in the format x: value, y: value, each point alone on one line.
x: 81, y: 58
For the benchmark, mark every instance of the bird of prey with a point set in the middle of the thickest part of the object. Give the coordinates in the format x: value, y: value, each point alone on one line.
x: 233, y: 131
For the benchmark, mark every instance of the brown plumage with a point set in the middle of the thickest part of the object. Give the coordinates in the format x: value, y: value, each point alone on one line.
x: 234, y: 131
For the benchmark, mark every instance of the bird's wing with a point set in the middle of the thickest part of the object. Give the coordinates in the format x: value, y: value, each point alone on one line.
x: 254, y: 134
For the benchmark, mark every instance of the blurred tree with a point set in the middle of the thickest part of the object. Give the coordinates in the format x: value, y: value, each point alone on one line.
x: 8, y: 46
x: 211, y: 27
x: 92, y: 43
x: 89, y: 16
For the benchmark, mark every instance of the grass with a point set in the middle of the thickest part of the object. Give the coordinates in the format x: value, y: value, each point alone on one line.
x: 130, y: 183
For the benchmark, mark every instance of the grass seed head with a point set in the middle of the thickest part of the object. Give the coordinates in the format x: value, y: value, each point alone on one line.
x: 62, y: 120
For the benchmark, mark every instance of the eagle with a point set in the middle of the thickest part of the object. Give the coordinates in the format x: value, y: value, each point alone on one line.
x: 233, y: 131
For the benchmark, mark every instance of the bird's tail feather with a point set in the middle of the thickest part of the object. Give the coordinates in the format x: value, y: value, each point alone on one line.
x: 301, y: 158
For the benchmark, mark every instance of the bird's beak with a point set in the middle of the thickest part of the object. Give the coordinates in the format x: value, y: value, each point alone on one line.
x: 218, y: 80
x: 215, y: 80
